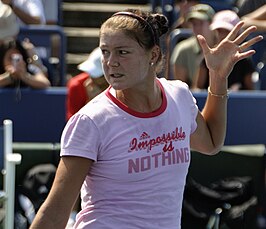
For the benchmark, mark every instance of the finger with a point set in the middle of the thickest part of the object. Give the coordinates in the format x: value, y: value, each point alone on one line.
x: 249, y: 43
x: 245, y: 34
x: 203, y: 44
x: 235, y: 31
x: 246, y: 54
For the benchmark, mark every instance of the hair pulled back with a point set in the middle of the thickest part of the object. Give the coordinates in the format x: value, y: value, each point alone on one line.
x: 144, y: 27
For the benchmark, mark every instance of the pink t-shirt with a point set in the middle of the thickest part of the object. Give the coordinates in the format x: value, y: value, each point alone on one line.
x: 141, y: 160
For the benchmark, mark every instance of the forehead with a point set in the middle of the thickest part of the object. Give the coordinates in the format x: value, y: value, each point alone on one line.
x: 116, y: 38
x: 196, y: 21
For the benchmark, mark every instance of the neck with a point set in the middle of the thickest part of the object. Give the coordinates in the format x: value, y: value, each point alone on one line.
x: 144, y: 101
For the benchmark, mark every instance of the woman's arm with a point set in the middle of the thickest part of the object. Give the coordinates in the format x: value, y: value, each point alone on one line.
x: 37, y: 81
x: 210, y: 134
x: 55, y: 211
x: 34, y: 7
x: 6, y: 79
x: 257, y: 18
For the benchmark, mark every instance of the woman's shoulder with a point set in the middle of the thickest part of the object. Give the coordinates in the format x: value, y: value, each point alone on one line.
x: 177, y: 84
x: 96, y: 106
x: 175, y: 88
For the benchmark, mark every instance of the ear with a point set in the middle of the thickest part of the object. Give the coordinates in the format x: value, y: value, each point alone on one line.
x: 155, y: 54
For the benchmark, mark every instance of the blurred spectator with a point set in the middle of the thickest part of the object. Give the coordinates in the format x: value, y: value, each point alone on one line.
x: 86, y: 85
x: 254, y: 13
x: 179, y: 14
x: 27, y: 11
x: 187, y: 55
x: 247, y: 6
x: 181, y: 9
x: 19, y: 65
x: 257, y: 18
x: 51, y: 11
x: 241, y: 76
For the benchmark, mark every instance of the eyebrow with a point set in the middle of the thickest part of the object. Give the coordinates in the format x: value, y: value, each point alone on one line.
x: 119, y: 47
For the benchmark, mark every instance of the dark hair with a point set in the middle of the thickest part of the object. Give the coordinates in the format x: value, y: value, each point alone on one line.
x: 144, y: 27
x: 9, y: 45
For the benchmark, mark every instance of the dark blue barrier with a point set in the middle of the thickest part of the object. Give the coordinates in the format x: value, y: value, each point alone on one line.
x: 39, y: 116
x: 246, y: 122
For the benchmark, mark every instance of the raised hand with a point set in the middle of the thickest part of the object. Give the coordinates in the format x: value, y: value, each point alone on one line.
x: 234, y: 47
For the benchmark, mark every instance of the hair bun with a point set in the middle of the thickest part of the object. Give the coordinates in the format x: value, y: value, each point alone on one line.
x: 161, y: 24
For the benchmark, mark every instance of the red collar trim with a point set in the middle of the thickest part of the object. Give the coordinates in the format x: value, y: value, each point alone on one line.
x: 124, y: 107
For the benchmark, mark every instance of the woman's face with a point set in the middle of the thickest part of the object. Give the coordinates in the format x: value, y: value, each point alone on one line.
x: 125, y: 63
x: 8, y: 56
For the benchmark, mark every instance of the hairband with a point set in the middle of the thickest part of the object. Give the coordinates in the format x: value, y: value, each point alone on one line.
x: 139, y: 18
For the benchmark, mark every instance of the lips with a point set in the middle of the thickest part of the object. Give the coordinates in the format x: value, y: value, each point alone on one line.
x: 116, y: 75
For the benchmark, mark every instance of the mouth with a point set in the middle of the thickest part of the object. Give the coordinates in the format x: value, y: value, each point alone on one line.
x: 116, y: 75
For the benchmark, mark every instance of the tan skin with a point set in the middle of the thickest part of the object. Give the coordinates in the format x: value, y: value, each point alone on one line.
x: 131, y: 77
x: 136, y: 76
x: 95, y: 86
x: 199, y: 27
x: 19, y: 72
x: 26, y: 18
x: 257, y: 17
x: 200, y: 79
x: 183, y: 7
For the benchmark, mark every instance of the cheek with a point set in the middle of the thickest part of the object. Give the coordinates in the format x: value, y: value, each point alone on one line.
x: 104, y: 66
x: 141, y: 69
x: 135, y: 67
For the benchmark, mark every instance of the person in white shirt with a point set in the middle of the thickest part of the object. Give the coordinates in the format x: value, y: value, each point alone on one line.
x: 27, y: 11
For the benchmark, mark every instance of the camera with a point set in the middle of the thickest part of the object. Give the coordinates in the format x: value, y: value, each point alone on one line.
x: 15, y: 58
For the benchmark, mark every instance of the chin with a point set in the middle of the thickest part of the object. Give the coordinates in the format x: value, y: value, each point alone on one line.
x: 118, y: 86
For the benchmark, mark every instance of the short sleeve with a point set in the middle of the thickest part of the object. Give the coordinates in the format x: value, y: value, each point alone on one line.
x: 80, y: 137
x: 193, y: 108
x: 194, y: 113
x: 187, y: 101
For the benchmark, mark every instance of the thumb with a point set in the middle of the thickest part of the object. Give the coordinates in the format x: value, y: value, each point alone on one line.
x: 203, y: 44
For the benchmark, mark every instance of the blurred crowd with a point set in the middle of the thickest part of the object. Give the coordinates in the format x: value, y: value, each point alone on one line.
x: 184, y: 57
x: 184, y: 60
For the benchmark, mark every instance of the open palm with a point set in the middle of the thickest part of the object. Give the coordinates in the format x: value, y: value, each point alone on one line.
x: 229, y: 51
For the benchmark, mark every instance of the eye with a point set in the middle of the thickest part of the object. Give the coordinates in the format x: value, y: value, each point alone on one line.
x: 123, y: 52
x: 105, y: 52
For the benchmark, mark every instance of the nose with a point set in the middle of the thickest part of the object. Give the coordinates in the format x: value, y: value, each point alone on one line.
x: 113, y: 61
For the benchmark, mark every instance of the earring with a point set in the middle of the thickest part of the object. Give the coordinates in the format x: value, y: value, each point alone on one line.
x: 151, y: 64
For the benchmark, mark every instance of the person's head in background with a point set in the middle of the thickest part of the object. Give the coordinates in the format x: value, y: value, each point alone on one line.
x: 9, y: 30
x: 200, y: 17
x: 223, y: 22
x: 93, y: 66
x: 182, y: 8
x: 16, y: 57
